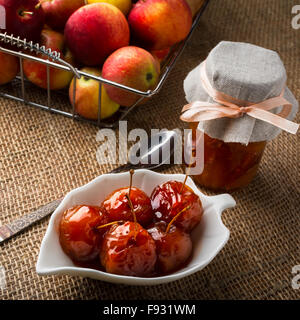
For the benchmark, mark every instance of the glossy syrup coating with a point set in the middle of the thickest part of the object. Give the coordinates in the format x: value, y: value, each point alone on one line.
x: 117, y: 207
x: 128, y: 249
x: 78, y: 235
x: 170, y: 198
x: 173, y: 248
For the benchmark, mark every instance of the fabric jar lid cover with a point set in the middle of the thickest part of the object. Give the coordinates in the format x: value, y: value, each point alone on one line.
x: 245, y: 72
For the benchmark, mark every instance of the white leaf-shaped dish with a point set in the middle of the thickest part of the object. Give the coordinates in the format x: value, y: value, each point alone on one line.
x: 209, y: 237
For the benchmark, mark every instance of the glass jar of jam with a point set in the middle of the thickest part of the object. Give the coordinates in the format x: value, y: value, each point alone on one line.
x: 228, y: 166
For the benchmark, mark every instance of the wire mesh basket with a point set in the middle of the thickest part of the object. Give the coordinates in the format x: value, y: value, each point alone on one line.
x: 55, y: 61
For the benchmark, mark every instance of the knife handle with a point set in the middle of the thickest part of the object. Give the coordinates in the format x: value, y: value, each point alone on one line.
x: 9, y: 230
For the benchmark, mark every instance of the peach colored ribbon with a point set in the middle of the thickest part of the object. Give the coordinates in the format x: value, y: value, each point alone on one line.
x: 231, y: 107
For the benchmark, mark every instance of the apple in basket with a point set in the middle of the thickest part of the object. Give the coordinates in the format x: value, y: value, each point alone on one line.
x: 170, y: 22
x: 9, y: 67
x: 87, y: 97
x: 94, y: 31
x: 133, y: 67
x: 57, y: 12
x: 37, y: 72
x: 24, y: 18
x: 123, y: 5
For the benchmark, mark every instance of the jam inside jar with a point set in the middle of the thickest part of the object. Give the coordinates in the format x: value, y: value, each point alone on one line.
x: 228, y: 165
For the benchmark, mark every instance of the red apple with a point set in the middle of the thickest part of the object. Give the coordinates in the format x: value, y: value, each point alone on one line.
x: 9, y: 67
x: 95, y: 31
x: 37, y: 72
x: 133, y: 67
x: 159, y: 24
x: 24, y: 18
x: 57, y: 12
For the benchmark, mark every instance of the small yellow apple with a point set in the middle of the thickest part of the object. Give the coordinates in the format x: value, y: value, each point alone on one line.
x: 87, y: 97
x: 123, y: 5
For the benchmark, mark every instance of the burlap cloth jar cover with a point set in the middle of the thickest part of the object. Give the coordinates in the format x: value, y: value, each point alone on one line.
x: 245, y: 72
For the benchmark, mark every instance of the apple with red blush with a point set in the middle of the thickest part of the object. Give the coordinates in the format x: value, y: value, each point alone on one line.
x: 94, y: 31
x: 57, y: 12
x: 36, y: 72
x: 159, y: 24
x: 133, y: 67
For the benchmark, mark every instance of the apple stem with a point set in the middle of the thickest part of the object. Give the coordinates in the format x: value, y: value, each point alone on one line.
x: 187, y: 173
x: 131, y: 171
x: 23, y: 13
x: 133, y: 214
x: 185, y: 179
x: 109, y: 224
x: 175, y: 218
x: 184, y: 182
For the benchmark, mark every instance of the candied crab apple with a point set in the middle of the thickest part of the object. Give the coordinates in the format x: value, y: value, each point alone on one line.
x: 78, y: 233
x: 170, y: 198
x: 173, y: 246
x: 128, y: 249
x: 118, y: 208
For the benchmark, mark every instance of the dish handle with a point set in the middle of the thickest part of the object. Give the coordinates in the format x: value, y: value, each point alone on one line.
x: 223, y: 201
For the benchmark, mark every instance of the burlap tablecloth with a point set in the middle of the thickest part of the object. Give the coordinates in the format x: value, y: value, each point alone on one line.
x: 43, y: 156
